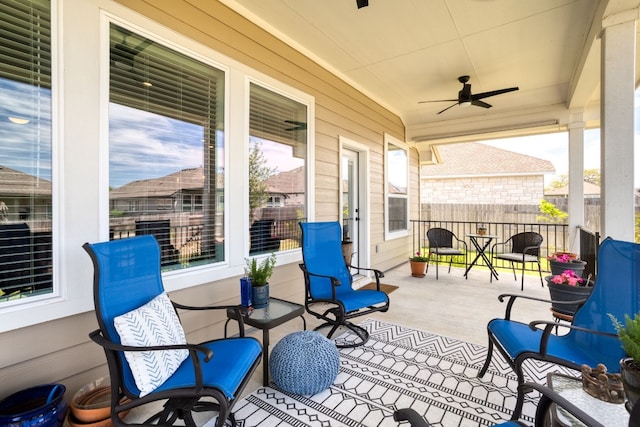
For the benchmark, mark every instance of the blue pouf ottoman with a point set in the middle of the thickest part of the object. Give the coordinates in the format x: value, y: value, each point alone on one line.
x: 304, y: 363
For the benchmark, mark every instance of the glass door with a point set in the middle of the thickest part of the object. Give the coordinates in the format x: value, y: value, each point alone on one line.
x: 350, y: 206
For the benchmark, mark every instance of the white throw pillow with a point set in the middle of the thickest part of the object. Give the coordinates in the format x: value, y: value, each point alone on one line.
x: 155, y: 323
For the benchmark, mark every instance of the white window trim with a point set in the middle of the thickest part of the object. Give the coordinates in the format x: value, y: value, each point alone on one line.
x: 390, y: 235
x: 82, y: 173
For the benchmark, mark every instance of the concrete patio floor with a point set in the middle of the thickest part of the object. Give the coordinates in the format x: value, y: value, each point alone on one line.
x: 450, y: 306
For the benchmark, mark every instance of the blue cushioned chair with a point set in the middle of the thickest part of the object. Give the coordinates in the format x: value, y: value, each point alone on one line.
x: 126, y: 277
x: 329, y: 295
x: 548, y: 397
x: 592, y: 337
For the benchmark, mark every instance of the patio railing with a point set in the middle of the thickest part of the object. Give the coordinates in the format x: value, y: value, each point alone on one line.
x: 556, y: 238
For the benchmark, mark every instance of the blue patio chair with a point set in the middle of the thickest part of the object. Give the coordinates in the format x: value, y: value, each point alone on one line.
x: 592, y: 338
x: 147, y: 354
x: 329, y: 295
x: 548, y: 398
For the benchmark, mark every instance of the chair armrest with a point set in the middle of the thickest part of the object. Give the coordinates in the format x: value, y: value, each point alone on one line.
x: 512, y: 300
x: 549, y: 326
x: 240, y: 311
x: 97, y: 337
x: 528, y: 248
x: 334, y: 280
x: 462, y: 242
x: 378, y: 274
x: 548, y: 397
x: 408, y: 414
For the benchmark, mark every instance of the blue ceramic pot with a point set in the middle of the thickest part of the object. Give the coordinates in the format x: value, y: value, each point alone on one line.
x: 39, y: 406
x: 260, y: 296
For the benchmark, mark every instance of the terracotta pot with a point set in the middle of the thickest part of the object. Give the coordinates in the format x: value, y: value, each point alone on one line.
x: 567, y: 293
x: 418, y: 268
x: 630, y: 371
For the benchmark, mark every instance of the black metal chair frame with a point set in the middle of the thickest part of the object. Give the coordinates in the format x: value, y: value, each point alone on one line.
x: 180, y: 404
x: 441, y: 245
x: 521, y: 245
x: 336, y: 315
x: 547, y: 399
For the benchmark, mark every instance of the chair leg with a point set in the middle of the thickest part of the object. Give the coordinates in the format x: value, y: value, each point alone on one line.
x: 487, y: 362
x: 522, y: 279
x: 540, y: 274
x: 517, y: 411
x: 450, y: 262
x: 513, y: 267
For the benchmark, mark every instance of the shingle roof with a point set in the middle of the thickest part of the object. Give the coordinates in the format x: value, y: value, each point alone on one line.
x: 473, y: 158
x: 14, y: 182
x: 288, y: 182
x: 165, y: 186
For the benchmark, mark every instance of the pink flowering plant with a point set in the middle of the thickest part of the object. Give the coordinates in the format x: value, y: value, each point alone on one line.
x: 418, y: 257
x: 568, y: 277
x: 562, y: 257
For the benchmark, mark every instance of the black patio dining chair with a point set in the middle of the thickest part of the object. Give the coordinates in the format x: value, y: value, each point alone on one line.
x: 444, y: 243
x: 521, y: 248
x: 148, y: 357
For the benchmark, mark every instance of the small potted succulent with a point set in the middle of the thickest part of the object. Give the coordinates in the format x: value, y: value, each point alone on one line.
x: 629, y: 334
x: 259, y: 274
x: 418, y: 264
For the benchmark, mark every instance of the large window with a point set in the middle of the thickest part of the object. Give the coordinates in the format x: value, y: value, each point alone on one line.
x: 166, y: 142
x: 397, y: 175
x: 26, y: 267
x: 277, y: 170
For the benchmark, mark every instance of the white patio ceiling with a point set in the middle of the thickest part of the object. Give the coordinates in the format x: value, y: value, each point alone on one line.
x: 400, y: 52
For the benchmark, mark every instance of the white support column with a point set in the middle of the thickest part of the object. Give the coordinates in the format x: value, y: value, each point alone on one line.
x: 576, y: 180
x: 617, y: 134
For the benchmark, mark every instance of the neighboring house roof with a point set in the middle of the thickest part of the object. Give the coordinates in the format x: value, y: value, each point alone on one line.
x: 288, y: 182
x: 589, y: 190
x: 16, y: 183
x: 473, y: 158
x: 165, y: 186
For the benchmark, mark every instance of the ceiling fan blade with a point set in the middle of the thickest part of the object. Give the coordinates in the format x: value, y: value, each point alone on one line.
x: 492, y: 93
x: 451, y: 106
x: 439, y: 100
x: 478, y: 103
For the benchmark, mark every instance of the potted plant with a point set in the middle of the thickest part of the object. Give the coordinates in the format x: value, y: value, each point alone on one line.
x: 629, y: 335
x: 259, y: 274
x: 418, y: 264
x: 566, y: 287
x: 562, y: 261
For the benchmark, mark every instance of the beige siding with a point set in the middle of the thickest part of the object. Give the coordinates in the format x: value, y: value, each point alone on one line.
x: 61, y: 351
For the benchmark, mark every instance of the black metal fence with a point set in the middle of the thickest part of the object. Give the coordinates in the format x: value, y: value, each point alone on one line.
x: 556, y: 238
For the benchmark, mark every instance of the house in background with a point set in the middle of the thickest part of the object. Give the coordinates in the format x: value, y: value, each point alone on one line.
x: 474, y: 173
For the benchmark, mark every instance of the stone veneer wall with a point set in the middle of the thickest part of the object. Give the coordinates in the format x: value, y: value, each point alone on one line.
x: 500, y: 190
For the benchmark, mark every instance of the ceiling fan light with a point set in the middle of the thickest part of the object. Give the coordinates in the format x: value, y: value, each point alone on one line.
x: 465, y: 103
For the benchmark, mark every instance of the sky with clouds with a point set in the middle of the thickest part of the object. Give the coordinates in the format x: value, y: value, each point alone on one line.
x: 555, y: 148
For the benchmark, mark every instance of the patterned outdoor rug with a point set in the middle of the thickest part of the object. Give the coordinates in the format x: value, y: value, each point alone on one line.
x: 398, y: 368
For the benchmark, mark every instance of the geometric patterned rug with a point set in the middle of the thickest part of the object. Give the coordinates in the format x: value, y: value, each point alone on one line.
x: 400, y: 367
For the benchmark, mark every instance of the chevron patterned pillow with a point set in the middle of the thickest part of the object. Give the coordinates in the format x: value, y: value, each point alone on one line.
x: 155, y: 323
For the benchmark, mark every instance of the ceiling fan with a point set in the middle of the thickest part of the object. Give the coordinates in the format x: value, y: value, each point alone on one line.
x: 465, y: 97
